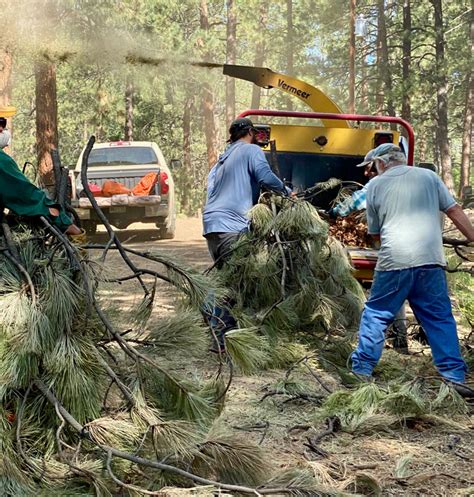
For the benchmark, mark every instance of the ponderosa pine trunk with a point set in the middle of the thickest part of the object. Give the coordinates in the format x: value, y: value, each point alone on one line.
x: 187, y: 175
x: 208, y: 106
x: 384, y: 90
x: 231, y: 58
x: 128, y: 129
x: 442, y: 136
x: 289, y: 47
x: 406, y: 63
x: 352, y: 54
x: 46, y: 119
x: 467, y: 124
x: 259, y: 52
x: 5, y: 76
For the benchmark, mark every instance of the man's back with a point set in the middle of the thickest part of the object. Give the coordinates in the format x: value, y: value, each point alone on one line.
x: 403, y: 206
x: 234, y: 185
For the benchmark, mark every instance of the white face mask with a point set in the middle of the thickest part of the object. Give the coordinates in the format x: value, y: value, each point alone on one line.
x: 5, y: 138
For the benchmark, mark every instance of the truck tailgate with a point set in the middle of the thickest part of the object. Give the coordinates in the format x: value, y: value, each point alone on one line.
x: 130, y: 200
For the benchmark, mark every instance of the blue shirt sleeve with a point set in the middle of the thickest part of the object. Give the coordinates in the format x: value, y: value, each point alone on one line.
x: 373, y: 223
x: 446, y: 200
x: 262, y: 173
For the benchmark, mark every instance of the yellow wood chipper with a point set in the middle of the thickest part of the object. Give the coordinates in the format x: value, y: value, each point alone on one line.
x: 308, y: 154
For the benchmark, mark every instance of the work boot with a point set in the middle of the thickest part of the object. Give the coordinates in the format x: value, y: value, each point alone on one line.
x: 399, y: 335
x: 461, y: 388
x: 420, y: 336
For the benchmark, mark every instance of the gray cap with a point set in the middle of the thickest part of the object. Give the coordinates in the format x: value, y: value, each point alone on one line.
x: 368, y: 158
x: 386, y: 152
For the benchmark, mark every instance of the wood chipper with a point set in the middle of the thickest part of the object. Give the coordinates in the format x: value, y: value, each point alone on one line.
x: 304, y: 154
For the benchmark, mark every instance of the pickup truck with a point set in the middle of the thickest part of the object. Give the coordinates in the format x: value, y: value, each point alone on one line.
x: 126, y: 163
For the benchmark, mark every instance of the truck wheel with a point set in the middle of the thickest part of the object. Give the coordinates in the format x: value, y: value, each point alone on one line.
x: 165, y: 232
x: 90, y: 227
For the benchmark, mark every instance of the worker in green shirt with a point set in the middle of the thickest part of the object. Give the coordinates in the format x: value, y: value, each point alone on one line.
x: 22, y: 197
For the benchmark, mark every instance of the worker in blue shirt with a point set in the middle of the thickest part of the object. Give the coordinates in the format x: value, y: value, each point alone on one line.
x: 234, y: 185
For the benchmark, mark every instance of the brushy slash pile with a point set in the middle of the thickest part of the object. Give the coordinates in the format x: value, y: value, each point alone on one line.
x: 290, y: 281
x: 51, y: 334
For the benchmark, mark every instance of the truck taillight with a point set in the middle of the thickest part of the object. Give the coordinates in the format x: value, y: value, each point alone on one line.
x: 164, y: 185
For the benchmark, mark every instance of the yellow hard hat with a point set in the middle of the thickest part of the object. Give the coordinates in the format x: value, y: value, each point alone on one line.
x: 7, y: 111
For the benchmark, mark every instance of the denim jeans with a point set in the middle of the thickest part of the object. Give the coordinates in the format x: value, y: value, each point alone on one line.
x: 426, y: 290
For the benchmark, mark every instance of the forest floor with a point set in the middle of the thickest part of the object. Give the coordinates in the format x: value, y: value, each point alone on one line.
x: 442, y: 462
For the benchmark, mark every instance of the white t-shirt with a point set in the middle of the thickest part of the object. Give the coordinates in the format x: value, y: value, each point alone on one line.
x: 403, y: 206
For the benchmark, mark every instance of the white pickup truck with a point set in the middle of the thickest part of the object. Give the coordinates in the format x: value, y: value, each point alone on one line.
x: 126, y: 163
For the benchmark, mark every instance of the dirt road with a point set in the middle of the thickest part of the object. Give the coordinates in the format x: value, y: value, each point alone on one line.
x: 188, y: 248
x: 188, y: 244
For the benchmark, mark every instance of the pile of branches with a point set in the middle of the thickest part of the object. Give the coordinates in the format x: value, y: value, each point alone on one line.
x: 86, y: 407
x: 290, y: 280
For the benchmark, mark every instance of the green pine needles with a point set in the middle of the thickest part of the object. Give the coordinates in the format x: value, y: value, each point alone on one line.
x: 290, y: 279
x: 76, y: 393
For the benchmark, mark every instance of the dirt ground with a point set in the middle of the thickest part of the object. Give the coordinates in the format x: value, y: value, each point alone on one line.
x: 442, y: 457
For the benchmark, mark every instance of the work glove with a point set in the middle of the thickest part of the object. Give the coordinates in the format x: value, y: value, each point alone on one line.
x: 79, y: 239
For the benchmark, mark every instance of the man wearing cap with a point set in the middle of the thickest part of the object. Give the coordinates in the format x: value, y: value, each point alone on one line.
x: 18, y: 194
x: 234, y: 185
x: 358, y: 202
x: 403, y: 205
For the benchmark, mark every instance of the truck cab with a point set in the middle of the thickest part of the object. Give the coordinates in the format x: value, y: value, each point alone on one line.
x: 126, y: 163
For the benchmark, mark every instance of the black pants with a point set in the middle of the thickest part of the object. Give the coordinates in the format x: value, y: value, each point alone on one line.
x: 219, y: 245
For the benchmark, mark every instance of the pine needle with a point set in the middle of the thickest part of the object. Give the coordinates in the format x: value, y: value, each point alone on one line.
x: 233, y: 460
x: 261, y: 218
x: 117, y: 432
x: 184, y: 332
x: 364, y: 483
x: 192, y: 283
x: 448, y: 401
x: 178, y: 397
x: 247, y: 349
x: 409, y: 399
x: 402, y: 466
x: 177, y: 438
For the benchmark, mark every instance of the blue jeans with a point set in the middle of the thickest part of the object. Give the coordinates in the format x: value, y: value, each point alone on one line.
x: 426, y: 290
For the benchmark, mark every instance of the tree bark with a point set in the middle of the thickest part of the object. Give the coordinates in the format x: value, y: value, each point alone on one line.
x: 128, y: 130
x: 208, y: 107
x: 259, y: 52
x: 406, y: 63
x: 352, y: 54
x: 231, y: 58
x: 467, y: 124
x: 5, y: 76
x: 46, y: 119
x: 289, y: 47
x: 442, y: 136
x: 187, y: 163
x: 384, y: 80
